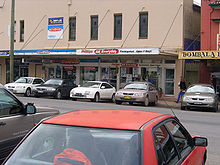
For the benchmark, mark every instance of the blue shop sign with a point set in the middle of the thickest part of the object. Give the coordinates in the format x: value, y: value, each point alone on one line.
x: 4, y: 53
x: 55, y: 21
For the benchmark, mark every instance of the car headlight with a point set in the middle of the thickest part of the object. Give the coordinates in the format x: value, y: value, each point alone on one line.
x: 138, y: 94
x: 51, y: 89
x: 87, y: 92
x: 186, y: 98
x: 119, y: 93
x: 210, y: 99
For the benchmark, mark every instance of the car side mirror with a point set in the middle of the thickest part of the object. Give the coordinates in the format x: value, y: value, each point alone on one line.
x: 30, y: 108
x: 200, y: 141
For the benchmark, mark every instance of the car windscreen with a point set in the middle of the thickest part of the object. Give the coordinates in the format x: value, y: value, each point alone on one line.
x: 58, y: 144
x: 136, y: 86
x: 200, y: 89
x: 53, y: 82
x: 24, y: 80
x: 91, y: 85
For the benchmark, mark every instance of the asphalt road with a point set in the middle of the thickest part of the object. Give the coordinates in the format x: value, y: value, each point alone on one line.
x: 206, y: 124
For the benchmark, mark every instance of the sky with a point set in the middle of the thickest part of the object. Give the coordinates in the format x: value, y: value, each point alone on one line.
x: 197, y: 1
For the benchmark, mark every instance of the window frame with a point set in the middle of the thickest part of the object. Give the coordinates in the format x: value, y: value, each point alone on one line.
x: 94, y: 28
x: 143, y: 36
x: 181, y: 157
x: 72, y: 36
x: 117, y: 27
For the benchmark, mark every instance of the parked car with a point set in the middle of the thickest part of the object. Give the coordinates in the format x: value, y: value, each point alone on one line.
x: 24, y: 85
x: 16, y: 119
x: 57, y: 88
x: 200, y: 96
x: 94, y: 90
x: 137, y: 92
x: 96, y: 137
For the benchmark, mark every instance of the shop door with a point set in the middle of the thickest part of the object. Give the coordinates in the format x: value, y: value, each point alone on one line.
x: 23, y: 71
x: 38, y: 70
x: 169, y: 82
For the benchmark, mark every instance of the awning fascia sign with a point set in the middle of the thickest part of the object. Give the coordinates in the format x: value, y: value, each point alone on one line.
x: 45, y: 52
x: 199, y: 55
x: 4, y: 53
x: 116, y: 51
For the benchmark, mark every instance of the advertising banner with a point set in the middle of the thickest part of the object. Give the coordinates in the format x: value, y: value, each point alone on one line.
x: 55, y: 28
x: 116, y: 51
x: 199, y: 55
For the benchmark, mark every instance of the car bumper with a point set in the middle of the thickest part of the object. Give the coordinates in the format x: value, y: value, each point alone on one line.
x: 130, y: 98
x: 16, y: 90
x: 44, y: 93
x: 198, y: 104
x: 81, y: 96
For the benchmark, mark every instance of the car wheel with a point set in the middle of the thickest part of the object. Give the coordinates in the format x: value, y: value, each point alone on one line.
x: 74, y: 99
x: 97, y: 97
x: 216, y: 108
x: 58, y: 95
x: 113, y: 98
x: 182, y: 108
x: 28, y: 92
x: 118, y: 102
x: 146, y: 102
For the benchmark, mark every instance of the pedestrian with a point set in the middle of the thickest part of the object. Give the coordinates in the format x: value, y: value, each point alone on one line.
x: 182, y: 85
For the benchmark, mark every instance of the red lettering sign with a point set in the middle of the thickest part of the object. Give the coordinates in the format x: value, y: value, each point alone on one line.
x: 55, y: 29
x: 106, y: 51
x: 43, y: 52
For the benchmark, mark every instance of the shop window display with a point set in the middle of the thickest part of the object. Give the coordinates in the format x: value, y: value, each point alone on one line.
x: 89, y: 73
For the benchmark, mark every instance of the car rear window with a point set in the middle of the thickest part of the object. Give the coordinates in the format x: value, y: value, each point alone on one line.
x: 54, y: 144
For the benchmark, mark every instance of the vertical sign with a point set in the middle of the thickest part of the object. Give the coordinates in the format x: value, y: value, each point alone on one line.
x: 218, y: 42
x: 55, y: 28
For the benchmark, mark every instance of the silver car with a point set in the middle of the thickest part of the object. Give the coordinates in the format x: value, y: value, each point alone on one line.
x: 137, y: 92
x: 200, y: 96
x: 16, y: 119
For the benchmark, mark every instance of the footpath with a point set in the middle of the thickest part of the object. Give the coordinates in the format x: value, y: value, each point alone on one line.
x: 168, y: 102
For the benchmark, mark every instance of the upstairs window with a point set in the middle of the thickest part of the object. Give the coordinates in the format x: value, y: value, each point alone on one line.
x: 72, y: 28
x: 94, y: 27
x: 117, y: 26
x: 143, y: 25
x: 22, y: 31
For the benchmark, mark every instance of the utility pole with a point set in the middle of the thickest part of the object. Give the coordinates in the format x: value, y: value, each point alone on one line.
x: 11, y: 53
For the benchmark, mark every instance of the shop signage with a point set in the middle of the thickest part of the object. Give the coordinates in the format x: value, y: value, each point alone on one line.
x: 4, y: 53
x: 46, y: 52
x: 55, y: 28
x: 199, y: 55
x: 115, y: 51
x: 126, y: 64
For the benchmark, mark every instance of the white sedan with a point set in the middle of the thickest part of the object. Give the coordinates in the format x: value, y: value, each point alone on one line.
x: 24, y: 85
x: 94, y: 90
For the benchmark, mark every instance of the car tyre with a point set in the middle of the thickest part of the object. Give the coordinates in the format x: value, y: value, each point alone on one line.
x: 96, y: 97
x: 146, y: 102
x: 182, y: 108
x: 58, y: 95
x: 74, y: 99
x: 216, y: 108
x: 28, y: 92
x: 118, y: 102
x: 113, y: 98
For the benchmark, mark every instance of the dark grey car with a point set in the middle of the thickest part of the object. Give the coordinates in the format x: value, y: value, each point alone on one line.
x: 200, y: 96
x: 16, y: 119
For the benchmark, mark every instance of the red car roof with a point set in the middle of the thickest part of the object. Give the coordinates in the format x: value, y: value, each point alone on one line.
x: 106, y: 118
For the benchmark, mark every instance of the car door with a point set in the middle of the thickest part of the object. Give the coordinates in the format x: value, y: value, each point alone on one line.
x: 174, y: 145
x: 14, y: 124
x: 107, y: 91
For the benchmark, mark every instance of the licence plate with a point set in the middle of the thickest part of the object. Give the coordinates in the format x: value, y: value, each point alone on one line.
x: 127, y: 97
x: 40, y: 91
x: 198, y: 103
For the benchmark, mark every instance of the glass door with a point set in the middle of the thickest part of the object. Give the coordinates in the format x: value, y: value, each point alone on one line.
x: 169, y: 82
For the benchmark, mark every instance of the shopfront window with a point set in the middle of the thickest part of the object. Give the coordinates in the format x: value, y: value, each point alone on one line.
x: 88, y: 73
x: 51, y: 73
x: 129, y: 74
x: 150, y: 74
x: 69, y: 72
x: 169, y: 83
x: 109, y: 75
